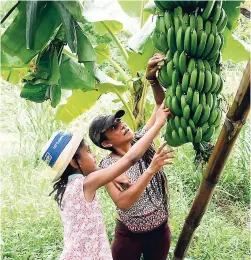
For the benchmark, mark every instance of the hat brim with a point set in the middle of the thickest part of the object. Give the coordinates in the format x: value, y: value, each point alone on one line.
x: 111, y: 119
x: 67, y: 154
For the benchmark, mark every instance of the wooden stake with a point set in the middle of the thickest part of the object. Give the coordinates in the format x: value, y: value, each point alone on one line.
x: 235, y: 119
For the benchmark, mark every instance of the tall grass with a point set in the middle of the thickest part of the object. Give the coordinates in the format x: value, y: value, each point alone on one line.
x: 31, y: 226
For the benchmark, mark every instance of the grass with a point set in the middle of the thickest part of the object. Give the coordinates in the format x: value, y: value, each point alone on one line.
x: 31, y: 226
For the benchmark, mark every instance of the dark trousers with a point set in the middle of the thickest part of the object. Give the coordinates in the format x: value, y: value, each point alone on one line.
x: 154, y: 245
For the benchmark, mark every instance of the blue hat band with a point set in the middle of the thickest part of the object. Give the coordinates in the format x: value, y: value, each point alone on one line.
x: 56, y: 148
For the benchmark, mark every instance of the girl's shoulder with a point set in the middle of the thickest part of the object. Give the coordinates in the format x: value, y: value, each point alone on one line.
x: 107, y: 161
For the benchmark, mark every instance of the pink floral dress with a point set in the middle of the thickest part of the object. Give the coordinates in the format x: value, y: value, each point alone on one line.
x: 84, y: 232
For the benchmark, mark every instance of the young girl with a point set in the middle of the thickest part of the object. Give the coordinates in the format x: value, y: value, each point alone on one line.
x: 77, y: 179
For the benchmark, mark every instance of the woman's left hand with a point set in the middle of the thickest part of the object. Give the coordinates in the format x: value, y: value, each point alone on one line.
x: 152, y: 66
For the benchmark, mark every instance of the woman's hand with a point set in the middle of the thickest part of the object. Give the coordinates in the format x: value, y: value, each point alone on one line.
x: 122, y: 182
x: 152, y: 66
x: 162, y: 114
x: 160, y: 159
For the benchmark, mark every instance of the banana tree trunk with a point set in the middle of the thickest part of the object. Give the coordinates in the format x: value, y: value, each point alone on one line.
x: 233, y: 124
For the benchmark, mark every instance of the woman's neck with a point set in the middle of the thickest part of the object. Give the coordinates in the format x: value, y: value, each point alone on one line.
x: 121, y: 150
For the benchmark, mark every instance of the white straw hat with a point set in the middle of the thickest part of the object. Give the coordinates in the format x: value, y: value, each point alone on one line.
x: 60, y: 149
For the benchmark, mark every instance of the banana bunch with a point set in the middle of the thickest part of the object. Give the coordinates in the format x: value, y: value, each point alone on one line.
x: 190, y: 34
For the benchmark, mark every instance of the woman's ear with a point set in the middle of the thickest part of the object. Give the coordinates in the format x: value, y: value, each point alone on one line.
x: 106, y: 143
x: 73, y: 163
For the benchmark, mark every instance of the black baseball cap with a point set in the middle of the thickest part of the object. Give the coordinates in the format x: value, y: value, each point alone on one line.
x: 100, y: 124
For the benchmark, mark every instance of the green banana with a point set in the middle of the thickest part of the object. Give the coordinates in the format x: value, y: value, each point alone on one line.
x: 209, y: 45
x: 201, y: 80
x: 183, y: 101
x: 186, y: 112
x: 208, y: 81
x: 202, y: 44
x: 176, y: 110
x: 192, y: 22
x: 208, y: 135
x: 207, y: 65
x: 169, y: 56
x: 168, y: 101
x: 213, y: 116
x: 159, y: 5
x: 222, y: 26
x: 169, y: 68
x: 214, y: 59
x: 170, y: 141
x: 176, y: 60
x: 171, y: 121
x: 205, y: 115
x: 219, y: 89
x: 198, y: 136
x: 182, y: 135
x: 214, y: 28
x: 197, y: 114
x: 193, y: 42
x: 187, y: 40
x: 177, y: 24
x: 163, y: 42
x: 222, y: 18
x: 175, y: 79
x: 171, y: 40
x: 196, y: 100
x: 215, y: 79
x: 162, y: 76
x: 216, y: 13
x: 193, y: 79
x: 177, y: 122
x: 180, y: 40
x: 204, y: 128
x: 189, y: 134
x: 185, y: 22
x: 209, y: 98
x: 218, y: 119
x: 162, y: 26
x: 200, y: 64
x: 191, y: 65
x: 185, y: 81
x: 178, y: 92
x: 203, y: 99
x: 156, y: 40
x: 183, y: 123
x: 182, y: 62
x: 213, y: 68
x: 208, y: 27
x: 208, y: 10
x: 192, y: 125
x: 176, y: 138
x: 168, y: 20
x: 189, y: 96
x: 199, y: 23
x: 216, y: 47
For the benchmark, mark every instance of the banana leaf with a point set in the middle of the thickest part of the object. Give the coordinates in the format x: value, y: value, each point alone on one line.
x: 31, y: 22
x: 13, y: 41
x: 75, y: 75
x: 85, y: 50
x: 75, y: 8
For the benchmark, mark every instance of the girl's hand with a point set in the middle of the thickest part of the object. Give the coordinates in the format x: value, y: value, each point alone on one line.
x: 122, y: 182
x: 160, y: 159
x: 152, y: 66
x: 162, y: 114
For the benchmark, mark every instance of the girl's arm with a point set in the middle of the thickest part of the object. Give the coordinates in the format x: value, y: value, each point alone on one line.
x: 101, y: 177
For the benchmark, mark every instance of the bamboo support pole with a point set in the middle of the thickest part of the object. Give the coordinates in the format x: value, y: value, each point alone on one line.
x: 233, y: 124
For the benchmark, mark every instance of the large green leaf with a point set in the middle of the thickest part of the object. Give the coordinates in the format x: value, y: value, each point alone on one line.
x: 234, y: 49
x: 75, y: 75
x: 13, y: 41
x: 31, y: 22
x: 13, y: 75
x: 69, y: 24
x: 150, y: 7
x: 75, y: 8
x: 102, y: 50
x: 233, y: 12
x: 107, y: 84
x: 77, y: 104
x: 85, y: 50
x: 80, y: 101
x: 132, y: 8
